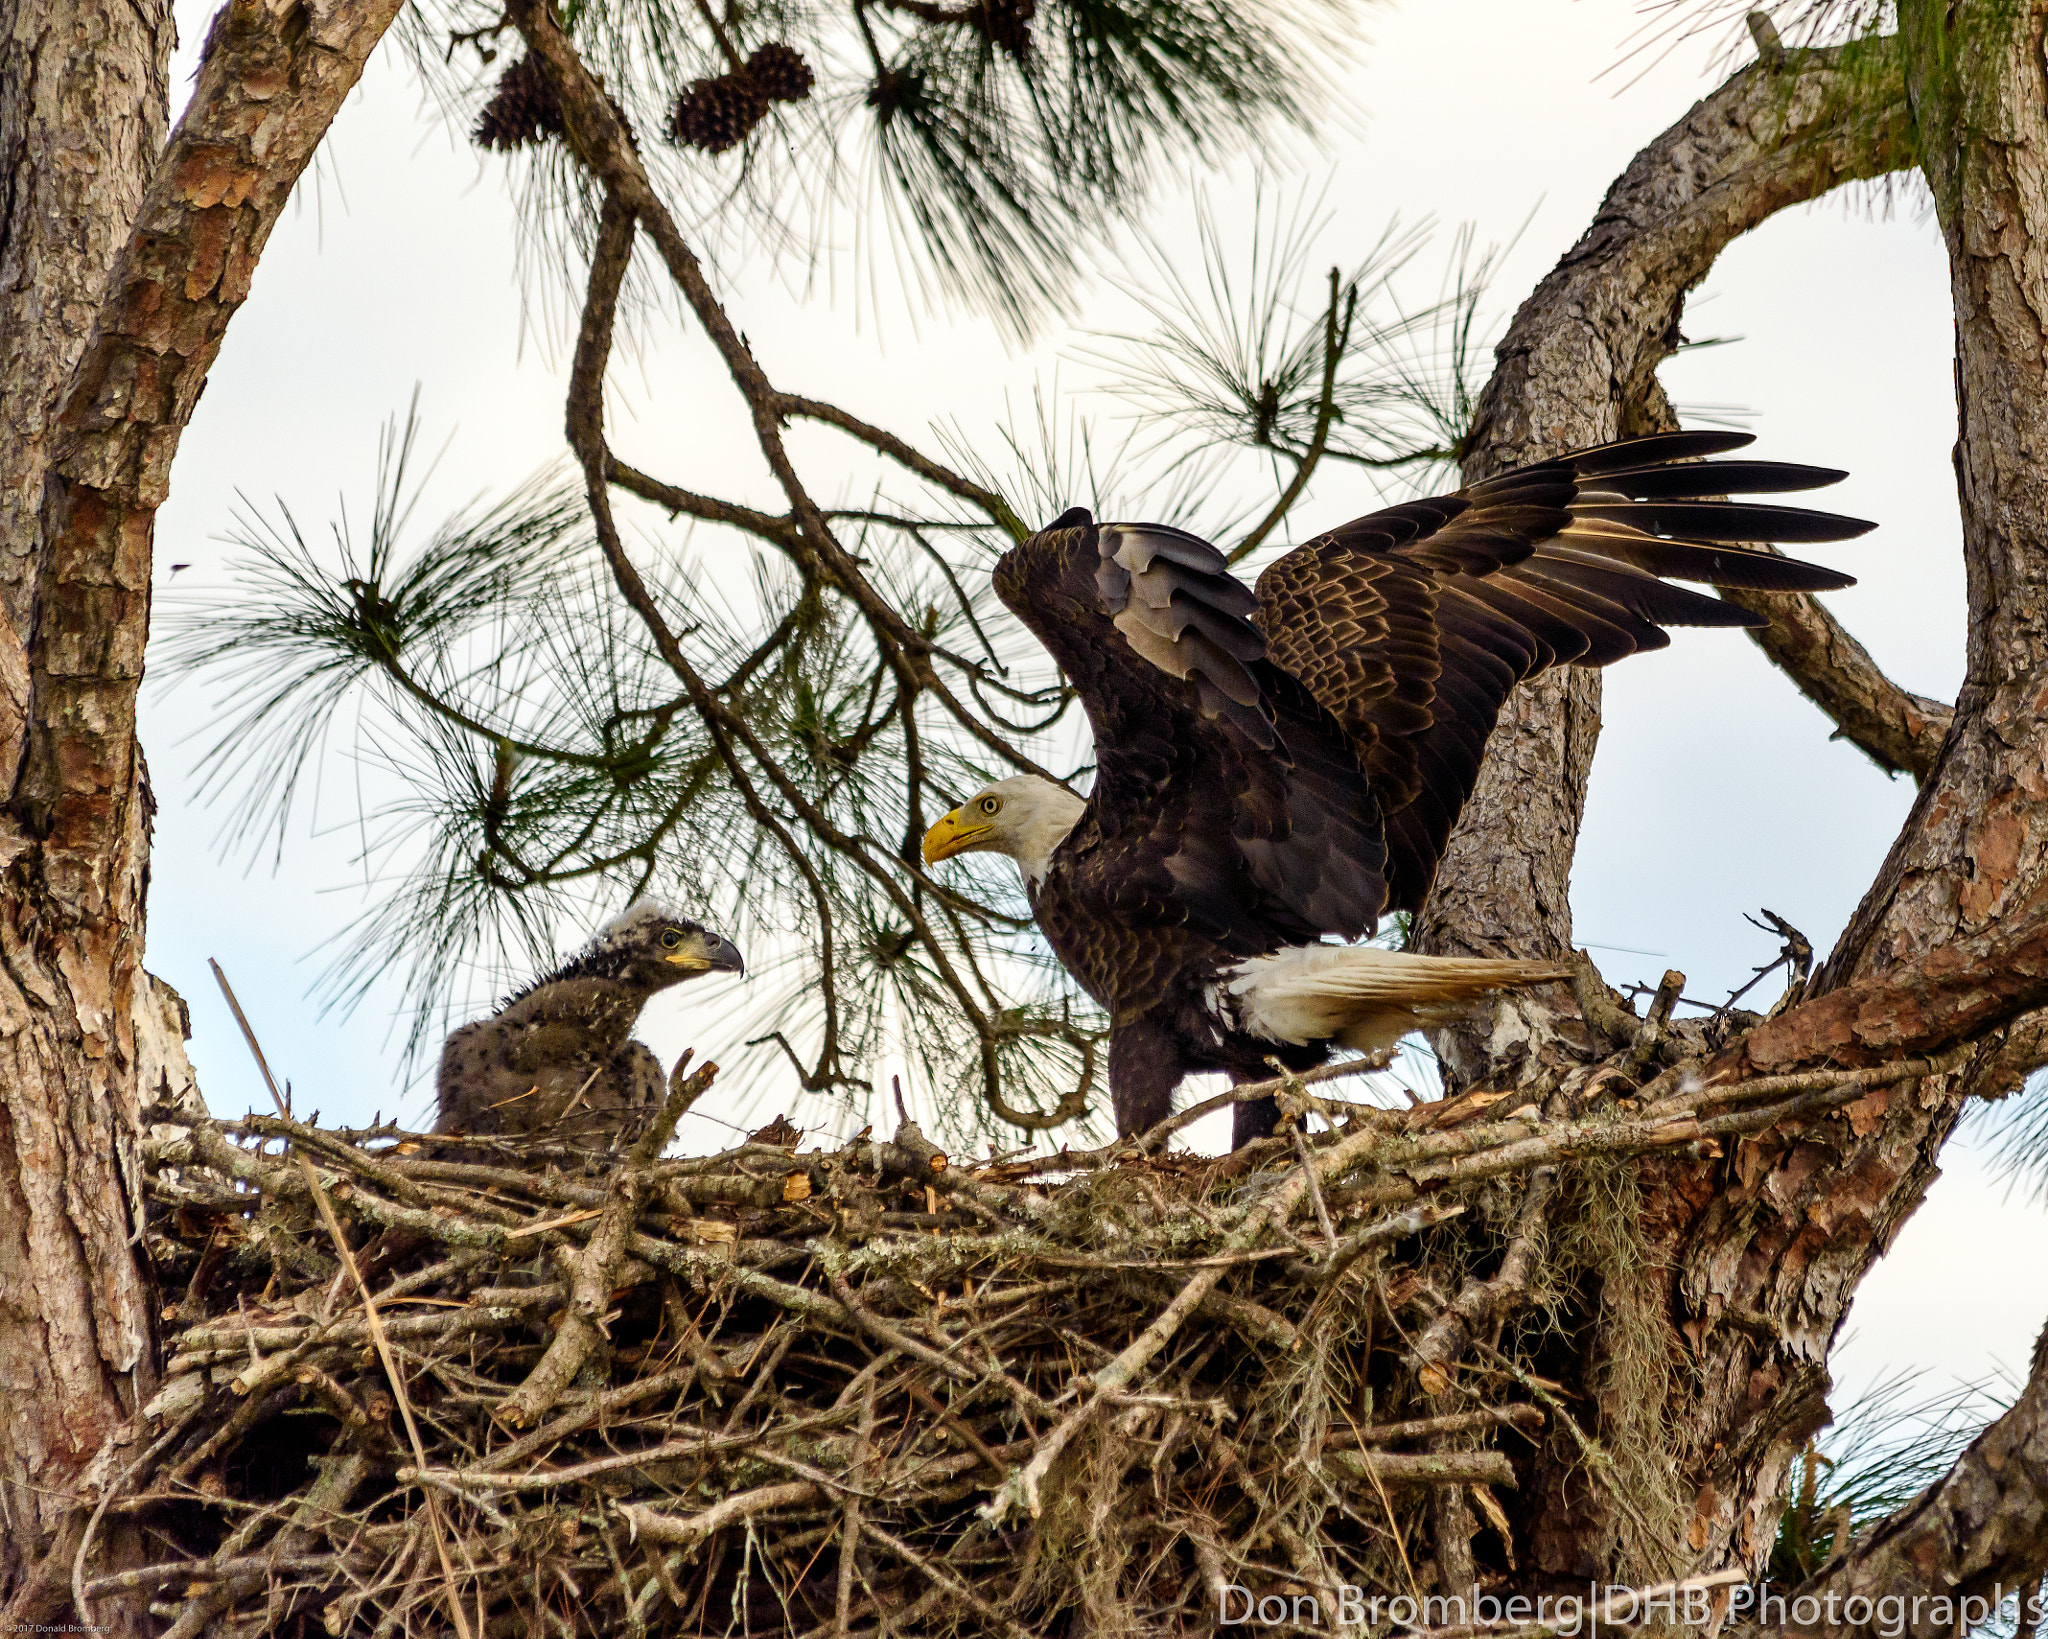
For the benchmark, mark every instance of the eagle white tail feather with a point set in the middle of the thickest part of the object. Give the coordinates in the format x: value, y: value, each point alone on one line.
x: 1362, y: 996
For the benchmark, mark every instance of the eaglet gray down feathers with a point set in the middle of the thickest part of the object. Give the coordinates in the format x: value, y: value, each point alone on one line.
x: 557, y: 1059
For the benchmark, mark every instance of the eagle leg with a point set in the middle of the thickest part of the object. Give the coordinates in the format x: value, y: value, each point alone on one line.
x: 1144, y: 1068
x: 1256, y: 1117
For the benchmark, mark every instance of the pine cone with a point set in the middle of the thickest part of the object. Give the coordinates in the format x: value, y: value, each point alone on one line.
x: 523, y: 112
x: 718, y: 114
x: 780, y: 73
x: 1006, y: 24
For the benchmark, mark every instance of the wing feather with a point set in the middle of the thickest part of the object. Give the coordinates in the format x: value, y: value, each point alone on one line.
x: 1227, y: 801
x: 1174, y: 599
x: 1412, y: 625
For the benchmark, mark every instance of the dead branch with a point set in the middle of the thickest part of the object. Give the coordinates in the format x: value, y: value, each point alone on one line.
x: 1898, y: 730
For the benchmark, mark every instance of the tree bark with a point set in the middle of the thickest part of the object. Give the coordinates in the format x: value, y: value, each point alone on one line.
x: 1803, y: 1214
x: 83, y: 112
x: 1761, y: 1252
x: 82, y: 118
x: 1748, y: 1262
x: 1976, y: 844
x: 76, y: 1344
x: 1577, y: 367
x: 1980, y: 1533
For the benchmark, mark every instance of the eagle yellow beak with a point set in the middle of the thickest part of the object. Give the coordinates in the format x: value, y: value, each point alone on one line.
x: 709, y: 953
x: 953, y: 835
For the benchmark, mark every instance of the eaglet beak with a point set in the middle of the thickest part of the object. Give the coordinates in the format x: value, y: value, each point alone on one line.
x: 708, y: 953
x: 954, y: 834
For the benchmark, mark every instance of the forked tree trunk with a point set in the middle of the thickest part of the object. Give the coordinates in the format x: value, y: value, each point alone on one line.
x: 1732, y: 1273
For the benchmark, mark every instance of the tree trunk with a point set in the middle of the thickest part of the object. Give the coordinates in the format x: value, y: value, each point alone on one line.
x: 125, y: 265
x: 82, y: 119
x: 1807, y: 1213
x: 1578, y: 367
x: 1705, y: 1332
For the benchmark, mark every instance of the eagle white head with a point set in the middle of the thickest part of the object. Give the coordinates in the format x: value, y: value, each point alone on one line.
x: 1024, y: 816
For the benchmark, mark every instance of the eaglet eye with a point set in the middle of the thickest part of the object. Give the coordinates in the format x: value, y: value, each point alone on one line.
x: 670, y: 938
x: 990, y: 804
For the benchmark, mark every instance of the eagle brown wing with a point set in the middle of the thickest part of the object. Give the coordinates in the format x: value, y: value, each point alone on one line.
x: 1412, y: 625
x: 1226, y: 801
x: 1173, y: 598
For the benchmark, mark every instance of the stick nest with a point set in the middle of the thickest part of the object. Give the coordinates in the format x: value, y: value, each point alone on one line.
x: 863, y: 1390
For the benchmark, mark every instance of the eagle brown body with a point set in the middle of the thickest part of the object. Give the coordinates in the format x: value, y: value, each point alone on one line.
x: 558, y: 1058
x: 1278, y: 765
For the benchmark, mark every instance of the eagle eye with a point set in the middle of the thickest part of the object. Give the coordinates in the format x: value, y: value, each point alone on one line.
x: 671, y: 937
x: 990, y: 804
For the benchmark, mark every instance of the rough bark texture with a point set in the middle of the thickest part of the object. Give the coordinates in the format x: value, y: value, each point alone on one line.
x: 1976, y: 846
x: 75, y: 1325
x: 1980, y: 1534
x: 1749, y: 1261
x: 1797, y: 1217
x: 82, y: 118
x: 1697, y: 1353
x: 1578, y: 366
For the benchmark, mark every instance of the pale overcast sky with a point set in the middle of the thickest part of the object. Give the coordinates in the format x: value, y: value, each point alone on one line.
x: 1717, y: 789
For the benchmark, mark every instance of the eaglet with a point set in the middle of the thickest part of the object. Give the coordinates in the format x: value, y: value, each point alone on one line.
x: 557, y: 1058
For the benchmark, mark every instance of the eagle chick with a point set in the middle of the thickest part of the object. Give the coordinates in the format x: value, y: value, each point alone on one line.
x: 558, y: 1057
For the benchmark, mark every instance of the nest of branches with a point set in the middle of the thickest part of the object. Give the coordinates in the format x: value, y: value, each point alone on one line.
x: 482, y: 1386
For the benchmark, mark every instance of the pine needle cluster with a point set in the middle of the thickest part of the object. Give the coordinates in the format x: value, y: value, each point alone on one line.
x: 527, y: 757
x: 999, y: 138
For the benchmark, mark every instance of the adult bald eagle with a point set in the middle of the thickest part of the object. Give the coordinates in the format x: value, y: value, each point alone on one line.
x: 558, y: 1058
x: 1281, y: 764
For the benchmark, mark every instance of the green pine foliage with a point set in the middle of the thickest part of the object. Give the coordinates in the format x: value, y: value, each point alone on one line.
x: 996, y: 141
x: 522, y: 760
x: 1884, y: 1448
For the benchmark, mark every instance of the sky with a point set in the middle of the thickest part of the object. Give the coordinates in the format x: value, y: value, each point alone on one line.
x: 1717, y: 789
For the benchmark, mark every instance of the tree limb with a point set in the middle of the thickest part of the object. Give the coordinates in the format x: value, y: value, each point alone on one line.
x: 273, y: 78
x: 1949, y: 994
x: 1577, y: 367
x: 1898, y: 730
x: 1980, y: 1532
x: 76, y: 1331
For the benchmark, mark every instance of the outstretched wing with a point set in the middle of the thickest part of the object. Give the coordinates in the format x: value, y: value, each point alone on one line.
x: 1232, y: 802
x: 1412, y: 625
x: 1174, y: 599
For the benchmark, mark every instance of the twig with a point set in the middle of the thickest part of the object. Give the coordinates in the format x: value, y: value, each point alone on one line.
x: 371, y: 1317
x: 1480, y: 1303
x: 676, y: 1532
x: 1424, y: 1467
x: 1153, y: 1139
x: 592, y: 1272
x: 1651, y: 1036
x: 1023, y: 1487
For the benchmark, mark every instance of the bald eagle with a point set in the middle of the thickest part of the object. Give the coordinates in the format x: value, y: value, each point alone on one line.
x: 1282, y: 764
x: 557, y: 1059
